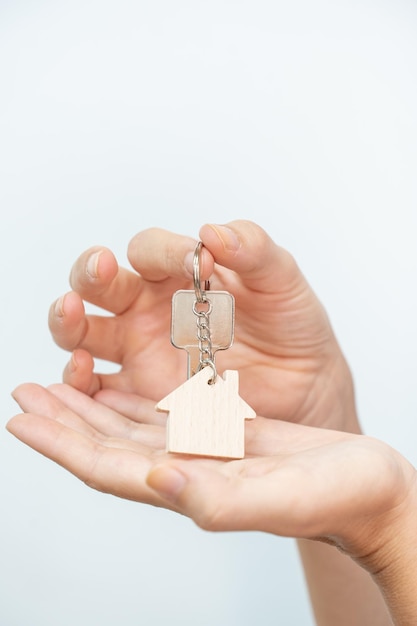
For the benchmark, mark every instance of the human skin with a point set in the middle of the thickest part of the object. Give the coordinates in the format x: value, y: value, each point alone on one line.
x: 290, y: 364
x: 350, y: 491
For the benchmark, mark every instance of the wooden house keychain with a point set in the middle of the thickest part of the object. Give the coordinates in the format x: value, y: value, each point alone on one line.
x: 206, y: 415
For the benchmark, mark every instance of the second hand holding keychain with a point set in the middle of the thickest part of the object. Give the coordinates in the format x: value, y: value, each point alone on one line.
x: 206, y: 415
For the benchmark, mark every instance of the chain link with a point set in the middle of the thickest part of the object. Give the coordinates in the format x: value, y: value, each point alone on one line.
x: 202, y: 313
x: 204, y: 336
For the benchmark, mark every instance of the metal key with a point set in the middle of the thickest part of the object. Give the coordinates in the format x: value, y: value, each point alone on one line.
x: 184, y: 327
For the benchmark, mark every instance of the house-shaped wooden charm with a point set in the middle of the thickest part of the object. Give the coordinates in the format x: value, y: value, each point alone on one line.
x: 207, y: 419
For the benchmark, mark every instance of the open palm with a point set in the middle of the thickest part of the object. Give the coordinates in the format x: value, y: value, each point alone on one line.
x: 281, y: 487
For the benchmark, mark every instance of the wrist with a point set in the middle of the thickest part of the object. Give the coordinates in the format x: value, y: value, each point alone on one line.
x: 388, y: 548
x: 396, y: 566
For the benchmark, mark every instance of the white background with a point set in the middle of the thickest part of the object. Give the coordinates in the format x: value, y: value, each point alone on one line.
x: 116, y: 116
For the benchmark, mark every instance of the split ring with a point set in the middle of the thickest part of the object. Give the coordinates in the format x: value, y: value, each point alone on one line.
x: 200, y: 294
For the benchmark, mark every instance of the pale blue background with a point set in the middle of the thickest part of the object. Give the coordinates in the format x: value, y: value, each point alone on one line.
x: 116, y: 116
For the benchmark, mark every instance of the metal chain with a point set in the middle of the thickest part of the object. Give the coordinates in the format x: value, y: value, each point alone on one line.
x: 203, y: 318
x: 204, y: 336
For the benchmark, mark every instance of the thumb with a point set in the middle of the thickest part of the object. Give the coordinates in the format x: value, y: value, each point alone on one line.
x: 218, y: 497
x: 197, y: 491
x: 248, y: 250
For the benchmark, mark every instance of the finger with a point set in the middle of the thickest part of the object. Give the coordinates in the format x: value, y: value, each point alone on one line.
x: 247, y: 249
x: 131, y: 405
x: 79, y: 373
x: 33, y: 398
x: 83, y: 414
x: 98, y: 279
x: 67, y: 320
x: 263, y: 494
x: 217, y: 498
x: 71, y: 328
x: 109, y: 422
x: 108, y: 469
x: 158, y: 254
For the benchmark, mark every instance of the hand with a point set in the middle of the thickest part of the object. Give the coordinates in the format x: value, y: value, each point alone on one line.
x: 298, y: 481
x: 290, y: 364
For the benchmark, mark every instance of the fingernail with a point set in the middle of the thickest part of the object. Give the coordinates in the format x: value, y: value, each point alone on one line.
x: 167, y: 481
x: 72, y: 364
x: 228, y: 237
x: 188, y: 263
x: 59, y: 307
x: 15, y: 395
x: 92, y: 265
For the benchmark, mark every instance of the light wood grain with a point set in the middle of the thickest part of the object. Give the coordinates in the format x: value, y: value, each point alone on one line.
x: 207, y: 419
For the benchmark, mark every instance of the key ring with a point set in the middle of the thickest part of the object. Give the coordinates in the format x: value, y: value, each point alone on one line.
x: 200, y: 295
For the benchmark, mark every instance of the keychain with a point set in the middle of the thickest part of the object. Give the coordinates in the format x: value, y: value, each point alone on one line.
x: 206, y: 415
